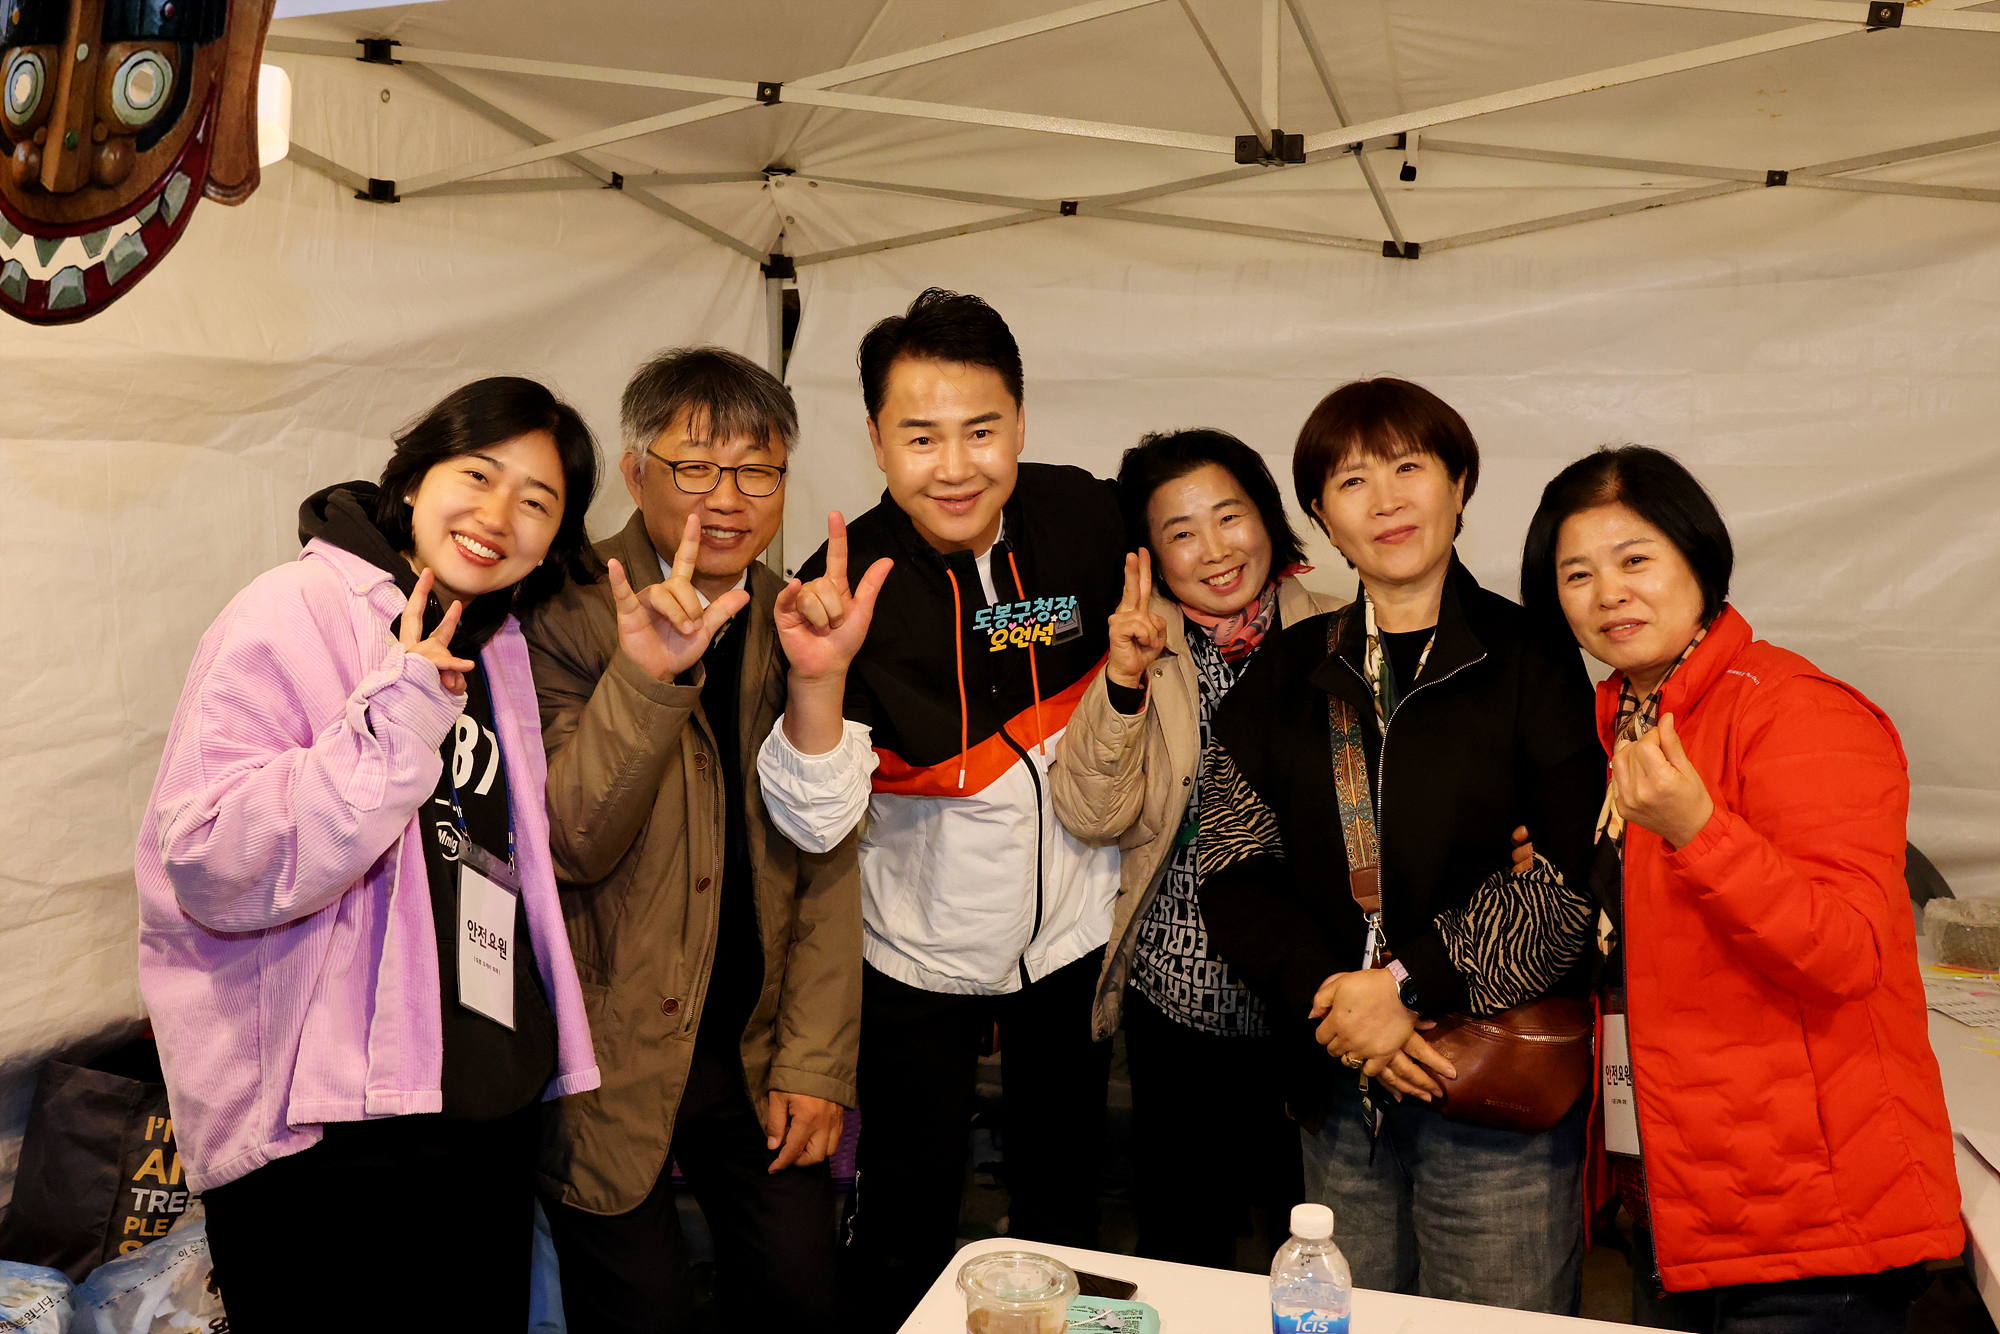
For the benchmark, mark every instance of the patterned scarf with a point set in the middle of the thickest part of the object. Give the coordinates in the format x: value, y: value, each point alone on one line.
x: 1636, y: 717
x: 1238, y: 634
x: 1382, y: 683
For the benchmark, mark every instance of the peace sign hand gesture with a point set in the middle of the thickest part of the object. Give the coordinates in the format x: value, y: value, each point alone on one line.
x: 663, y: 627
x: 1137, y: 635
x: 436, y: 649
x: 822, y: 624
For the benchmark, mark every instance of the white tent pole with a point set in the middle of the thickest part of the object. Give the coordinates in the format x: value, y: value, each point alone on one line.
x: 1853, y: 11
x: 1894, y: 155
x: 930, y: 192
x: 1583, y: 83
x: 898, y: 242
x: 1271, y: 51
x: 1258, y: 127
x: 479, y: 106
x: 1696, y: 170
x: 1231, y: 228
x: 1897, y: 188
x: 328, y: 168
x: 1325, y: 72
x: 1591, y: 214
x: 784, y: 154
x: 740, y: 96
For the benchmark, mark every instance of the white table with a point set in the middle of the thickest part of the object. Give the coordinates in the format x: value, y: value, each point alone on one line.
x: 1972, y: 1094
x: 1193, y: 1300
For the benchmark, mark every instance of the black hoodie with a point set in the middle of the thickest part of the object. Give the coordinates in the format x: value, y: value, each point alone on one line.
x: 489, y: 1071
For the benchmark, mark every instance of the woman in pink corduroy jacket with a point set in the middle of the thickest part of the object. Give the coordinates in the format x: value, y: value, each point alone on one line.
x: 350, y: 941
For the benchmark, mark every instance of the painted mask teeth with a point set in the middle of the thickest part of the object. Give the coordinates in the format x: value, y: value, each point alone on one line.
x: 62, y: 261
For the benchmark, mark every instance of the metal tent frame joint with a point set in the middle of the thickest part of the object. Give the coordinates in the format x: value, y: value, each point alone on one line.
x: 1776, y: 177
x: 1282, y: 150
x: 1409, y: 250
x: 375, y: 50
x: 770, y: 94
x: 1068, y: 208
x: 379, y: 191
x: 780, y: 267
x: 1885, y: 14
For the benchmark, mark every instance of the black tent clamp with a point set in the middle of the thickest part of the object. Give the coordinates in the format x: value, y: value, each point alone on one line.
x: 1885, y: 14
x: 375, y: 50
x: 1284, y: 149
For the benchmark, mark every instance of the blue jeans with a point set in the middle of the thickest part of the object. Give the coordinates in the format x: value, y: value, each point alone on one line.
x: 1457, y: 1212
x: 1850, y: 1304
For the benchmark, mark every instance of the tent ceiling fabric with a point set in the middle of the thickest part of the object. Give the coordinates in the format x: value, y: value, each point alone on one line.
x: 1847, y: 93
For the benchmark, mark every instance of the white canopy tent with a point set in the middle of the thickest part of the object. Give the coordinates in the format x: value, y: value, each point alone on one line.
x: 1603, y: 254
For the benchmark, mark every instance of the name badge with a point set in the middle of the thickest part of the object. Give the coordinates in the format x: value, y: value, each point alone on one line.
x: 488, y: 890
x: 1621, y: 1112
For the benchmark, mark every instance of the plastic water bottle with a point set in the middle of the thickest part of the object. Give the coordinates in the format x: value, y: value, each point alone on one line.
x: 1311, y: 1290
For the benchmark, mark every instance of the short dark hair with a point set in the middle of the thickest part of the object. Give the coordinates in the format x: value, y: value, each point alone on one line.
x: 1659, y: 489
x: 1164, y: 456
x: 732, y: 395
x: 939, y: 326
x: 478, y: 416
x: 1381, y: 419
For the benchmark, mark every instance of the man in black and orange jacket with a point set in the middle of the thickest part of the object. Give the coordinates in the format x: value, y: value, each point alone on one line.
x: 978, y: 907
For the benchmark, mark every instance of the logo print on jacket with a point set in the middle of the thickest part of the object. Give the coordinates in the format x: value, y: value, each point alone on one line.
x: 1033, y: 621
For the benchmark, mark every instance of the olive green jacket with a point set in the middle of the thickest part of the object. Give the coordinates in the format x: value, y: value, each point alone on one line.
x: 636, y: 828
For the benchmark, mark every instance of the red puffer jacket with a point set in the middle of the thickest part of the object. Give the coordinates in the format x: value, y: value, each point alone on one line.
x: 1790, y: 1112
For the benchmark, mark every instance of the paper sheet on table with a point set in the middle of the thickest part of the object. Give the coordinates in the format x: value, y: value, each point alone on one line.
x: 1986, y: 1144
x: 1981, y: 1009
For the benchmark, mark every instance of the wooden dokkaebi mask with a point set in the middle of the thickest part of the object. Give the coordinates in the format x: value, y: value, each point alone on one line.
x: 120, y: 114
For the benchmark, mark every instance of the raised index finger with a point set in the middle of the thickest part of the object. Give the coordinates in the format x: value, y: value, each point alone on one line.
x: 1130, y: 600
x: 1145, y: 579
x: 690, y: 549
x: 836, y: 551
x: 410, y: 631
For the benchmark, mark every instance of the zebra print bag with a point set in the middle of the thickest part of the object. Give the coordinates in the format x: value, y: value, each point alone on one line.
x: 1521, y: 1069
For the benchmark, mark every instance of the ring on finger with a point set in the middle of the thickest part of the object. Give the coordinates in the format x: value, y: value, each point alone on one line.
x: 1351, y: 1061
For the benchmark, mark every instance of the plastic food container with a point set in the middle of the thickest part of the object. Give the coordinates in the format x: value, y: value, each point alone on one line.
x: 1964, y: 932
x: 1016, y: 1292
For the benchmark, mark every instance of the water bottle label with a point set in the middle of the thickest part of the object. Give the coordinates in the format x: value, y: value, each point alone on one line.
x: 1308, y: 1321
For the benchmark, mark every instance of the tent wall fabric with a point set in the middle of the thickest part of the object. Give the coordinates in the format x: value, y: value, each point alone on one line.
x: 156, y: 455
x: 1828, y: 377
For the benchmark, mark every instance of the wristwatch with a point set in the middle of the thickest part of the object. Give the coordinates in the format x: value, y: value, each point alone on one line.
x: 1406, y: 986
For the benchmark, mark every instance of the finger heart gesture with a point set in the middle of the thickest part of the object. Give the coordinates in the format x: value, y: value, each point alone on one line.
x: 663, y: 627
x: 436, y: 647
x: 822, y: 624
x: 1658, y: 786
x: 1137, y: 635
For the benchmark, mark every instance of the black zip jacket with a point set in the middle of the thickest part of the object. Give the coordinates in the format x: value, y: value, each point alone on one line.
x: 1064, y: 534
x: 1497, y: 731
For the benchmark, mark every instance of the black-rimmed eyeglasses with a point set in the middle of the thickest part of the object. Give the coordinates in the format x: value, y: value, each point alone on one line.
x: 697, y: 477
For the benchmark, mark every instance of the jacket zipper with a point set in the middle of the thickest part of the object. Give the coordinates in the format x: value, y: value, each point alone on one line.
x: 1638, y: 1129
x: 1382, y: 774
x: 1035, y: 778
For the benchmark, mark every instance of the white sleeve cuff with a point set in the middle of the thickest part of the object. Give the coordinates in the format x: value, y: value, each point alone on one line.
x: 815, y: 800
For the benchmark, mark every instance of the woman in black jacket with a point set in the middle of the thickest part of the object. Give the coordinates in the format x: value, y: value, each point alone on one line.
x: 1468, y: 723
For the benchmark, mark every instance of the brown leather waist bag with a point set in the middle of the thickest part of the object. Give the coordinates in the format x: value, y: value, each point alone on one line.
x: 1521, y: 1069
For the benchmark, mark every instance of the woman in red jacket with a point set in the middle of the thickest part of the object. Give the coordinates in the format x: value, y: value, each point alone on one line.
x: 1772, y: 1111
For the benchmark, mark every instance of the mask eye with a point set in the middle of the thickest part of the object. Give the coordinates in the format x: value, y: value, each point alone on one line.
x: 139, y: 89
x: 27, y: 84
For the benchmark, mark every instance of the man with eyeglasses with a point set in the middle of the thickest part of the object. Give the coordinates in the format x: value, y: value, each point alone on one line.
x: 721, y: 966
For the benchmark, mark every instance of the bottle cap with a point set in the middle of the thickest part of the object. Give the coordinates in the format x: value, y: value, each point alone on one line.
x: 1314, y: 1222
